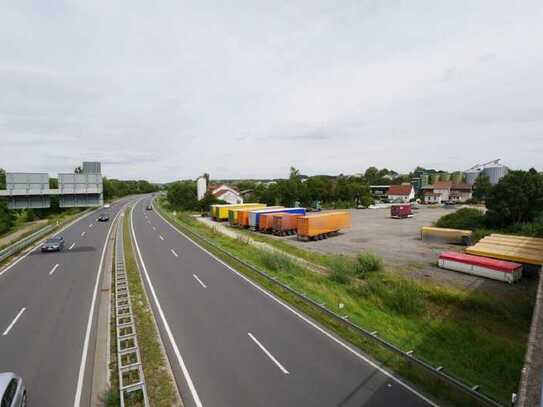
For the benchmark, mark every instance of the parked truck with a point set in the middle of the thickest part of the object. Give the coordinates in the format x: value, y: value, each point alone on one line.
x: 254, y: 216
x: 265, y: 222
x: 284, y: 224
x: 220, y: 212
x: 401, y: 211
x: 321, y: 226
x: 233, y: 213
x: 243, y: 215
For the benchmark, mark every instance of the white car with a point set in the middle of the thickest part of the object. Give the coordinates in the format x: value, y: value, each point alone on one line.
x: 107, y: 206
x: 12, y: 390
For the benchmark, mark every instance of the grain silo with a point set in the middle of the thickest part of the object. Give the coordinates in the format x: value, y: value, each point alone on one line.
x: 457, y: 177
x: 445, y: 176
x: 425, y: 178
x: 434, y: 178
x: 472, y: 174
x: 495, y: 171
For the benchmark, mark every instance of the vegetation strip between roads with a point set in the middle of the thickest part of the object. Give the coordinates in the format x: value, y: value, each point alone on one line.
x: 156, y: 369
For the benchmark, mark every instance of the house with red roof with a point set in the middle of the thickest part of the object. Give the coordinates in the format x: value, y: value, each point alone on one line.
x: 226, y: 193
x: 401, y: 193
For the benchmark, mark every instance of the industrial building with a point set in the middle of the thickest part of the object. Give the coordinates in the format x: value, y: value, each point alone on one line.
x: 493, y: 169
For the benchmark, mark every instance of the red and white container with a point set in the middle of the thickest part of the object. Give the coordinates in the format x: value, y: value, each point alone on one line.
x: 481, y: 266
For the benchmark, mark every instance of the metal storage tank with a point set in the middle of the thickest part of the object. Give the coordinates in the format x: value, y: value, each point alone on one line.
x: 457, y: 177
x: 471, y: 175
x: 425, y: 179
x: 495, y: 171
x: 434, y: 178
x: 445, y: 177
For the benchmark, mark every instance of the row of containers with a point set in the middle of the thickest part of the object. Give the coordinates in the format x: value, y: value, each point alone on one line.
x: 497, y: 256
x: 282, y: 221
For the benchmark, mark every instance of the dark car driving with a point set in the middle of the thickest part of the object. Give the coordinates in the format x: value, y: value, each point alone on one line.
x: 55, y: 244
x: 149, y: 208
x: 104, y: 217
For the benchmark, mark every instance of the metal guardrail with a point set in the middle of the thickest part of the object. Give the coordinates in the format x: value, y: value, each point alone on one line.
x: 438, y: 372
x: 131, y: 379
x: 25, y: 242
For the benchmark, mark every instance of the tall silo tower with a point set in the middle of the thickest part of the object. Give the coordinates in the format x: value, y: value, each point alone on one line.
x: 472, y: 174
x: 495, y: 171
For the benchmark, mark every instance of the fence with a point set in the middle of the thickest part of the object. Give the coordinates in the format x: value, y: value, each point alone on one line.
x: 25, y: 242
x: 473, y: 392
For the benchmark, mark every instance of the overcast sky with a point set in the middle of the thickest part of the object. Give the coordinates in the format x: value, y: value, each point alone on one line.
x: 244, y: 89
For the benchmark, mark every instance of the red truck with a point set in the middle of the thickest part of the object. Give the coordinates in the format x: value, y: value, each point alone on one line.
x: 401, y: 211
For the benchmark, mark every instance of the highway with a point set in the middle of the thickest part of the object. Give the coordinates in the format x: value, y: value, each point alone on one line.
x: 231, y: 343
x: 45, y: 305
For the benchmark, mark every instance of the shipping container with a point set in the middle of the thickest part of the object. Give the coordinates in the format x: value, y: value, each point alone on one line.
x: 220, y: 212
x: 444, y: 235
x: 243, y: 215
x: 401, y: 211
x: 481, y: 266
x: 254, y: 216
x: 233, y: 213
x: 515, y: 254
x: 322, y: 225
x: 284, y: 224
x: 265, y: 222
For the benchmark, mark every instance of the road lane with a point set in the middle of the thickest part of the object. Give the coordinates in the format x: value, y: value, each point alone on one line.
x: 45, y: 345
x: 210, y: 328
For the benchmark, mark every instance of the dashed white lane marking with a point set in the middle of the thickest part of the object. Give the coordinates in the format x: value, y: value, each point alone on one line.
x: 200, y: 281
x: 83, y: 233
x: 154, y: 228
x: 161, y: 238
x: 71, y: 247
x: 91, y: 225
x: 174, y: 253
x: 14, y: 321
x: 279, y: 365
x: 53, y: 269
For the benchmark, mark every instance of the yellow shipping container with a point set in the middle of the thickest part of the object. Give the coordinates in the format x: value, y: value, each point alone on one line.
x: 507, y: 253
x: 221, y: 211
x: 233, y: 213
x: 445, y: 235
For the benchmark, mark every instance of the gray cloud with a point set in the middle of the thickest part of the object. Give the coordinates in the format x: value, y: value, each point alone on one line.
x: 247, y: 89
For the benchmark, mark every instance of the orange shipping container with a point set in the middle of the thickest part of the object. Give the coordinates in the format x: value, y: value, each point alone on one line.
x: 265, y: 222
x: 284, y: 223
x: 319, y: 226
x: 243, y: 219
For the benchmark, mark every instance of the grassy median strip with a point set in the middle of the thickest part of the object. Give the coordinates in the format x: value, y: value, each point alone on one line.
x: 475, y: 337
x: 159, y: 382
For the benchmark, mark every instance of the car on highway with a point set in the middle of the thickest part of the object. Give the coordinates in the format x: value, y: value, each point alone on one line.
x: 107, y: 206
x: 12, y: 390
x: 54, y: 244
x: 104, y: 217
x: 149, y: 208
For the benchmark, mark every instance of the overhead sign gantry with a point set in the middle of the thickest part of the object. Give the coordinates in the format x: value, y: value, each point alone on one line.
x: 31, y: 190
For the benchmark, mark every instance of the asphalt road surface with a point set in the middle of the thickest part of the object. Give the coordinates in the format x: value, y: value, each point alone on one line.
x: 45, y: 304
x: 232, y: 344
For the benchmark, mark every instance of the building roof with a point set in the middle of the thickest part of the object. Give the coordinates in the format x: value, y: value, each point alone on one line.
x: 443, y: 185
x: 431, y: 193
x: 402, y: 190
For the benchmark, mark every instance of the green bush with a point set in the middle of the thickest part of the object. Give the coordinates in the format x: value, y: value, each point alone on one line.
x: 465, y: 218
x: 368, y: 262
x: 276, y: 262
x: 342, y: 269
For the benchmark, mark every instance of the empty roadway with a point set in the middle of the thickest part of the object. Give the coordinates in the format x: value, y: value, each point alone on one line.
x: 232, y: 344
x: 45, y: 300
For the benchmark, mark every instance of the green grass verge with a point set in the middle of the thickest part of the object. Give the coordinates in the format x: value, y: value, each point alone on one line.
x: 477, y: 337
x: 160, y: 387
x: 111, y: 398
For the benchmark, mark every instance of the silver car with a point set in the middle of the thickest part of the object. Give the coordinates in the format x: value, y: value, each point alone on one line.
x: 12, y: 390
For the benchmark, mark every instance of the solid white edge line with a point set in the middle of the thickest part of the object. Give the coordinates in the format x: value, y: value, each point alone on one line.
x: 53, y: 269
x: 200, y: 281
x: 14, y: 321
x: 81, y: 376
x: 71, y: 247
x: 174, y: 253
x: 180, y: 360
x: 267, y: 352
x: 39, y: 243
x: 302, y: 317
